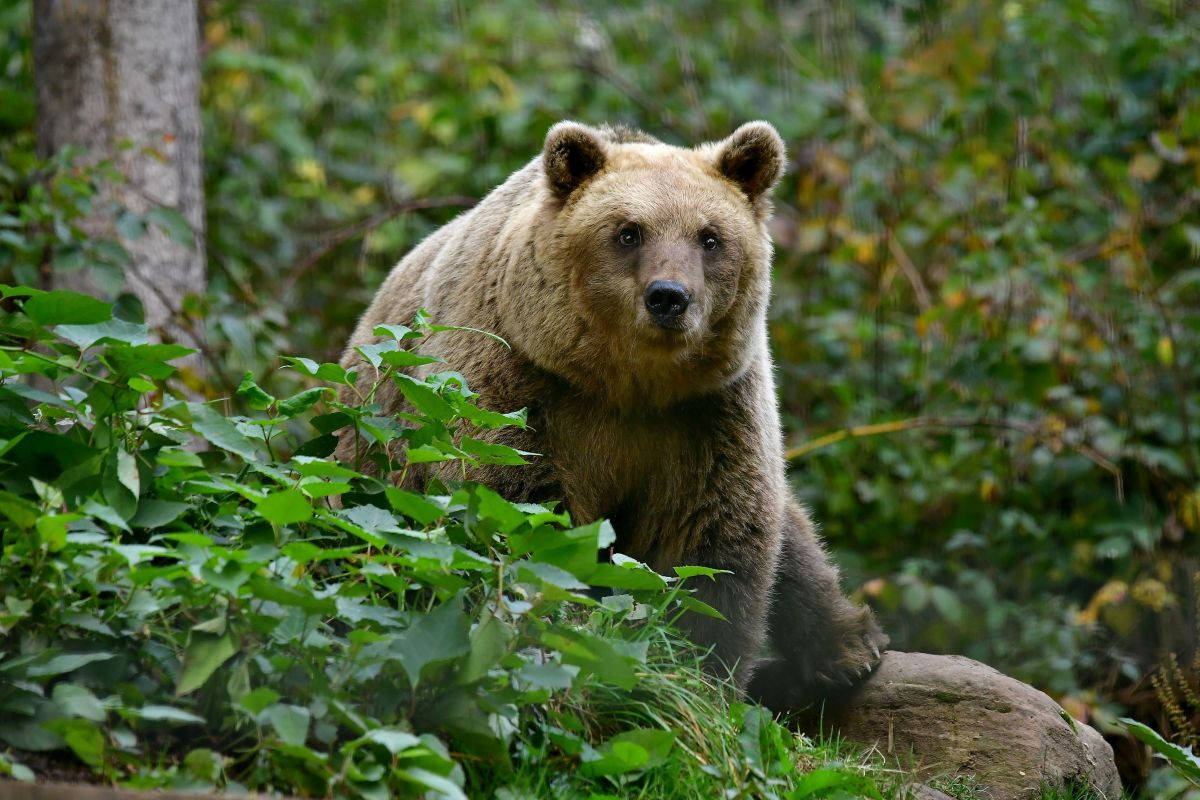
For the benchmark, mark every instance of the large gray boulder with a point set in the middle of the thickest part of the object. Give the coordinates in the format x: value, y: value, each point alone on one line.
x: 946, y: 716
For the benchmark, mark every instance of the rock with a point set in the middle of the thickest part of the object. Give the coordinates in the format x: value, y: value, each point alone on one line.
x: 948, y: 716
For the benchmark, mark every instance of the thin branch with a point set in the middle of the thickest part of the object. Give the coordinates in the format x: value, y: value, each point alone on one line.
x: 954, y: 423
x: 354, y: 230
x: 910, y: 271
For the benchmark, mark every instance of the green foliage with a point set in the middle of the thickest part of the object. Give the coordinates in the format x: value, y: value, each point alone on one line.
x: 183, y: 606
x: 986, y: 310
x: 1181, y: 759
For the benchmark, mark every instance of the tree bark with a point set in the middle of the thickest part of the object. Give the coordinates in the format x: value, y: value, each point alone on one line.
x: 120, y: 78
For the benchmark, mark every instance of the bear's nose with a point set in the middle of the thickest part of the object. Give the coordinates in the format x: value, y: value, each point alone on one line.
x: 666, y: 301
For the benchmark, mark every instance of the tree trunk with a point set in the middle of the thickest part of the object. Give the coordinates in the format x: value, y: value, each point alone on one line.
x: 120, y: 78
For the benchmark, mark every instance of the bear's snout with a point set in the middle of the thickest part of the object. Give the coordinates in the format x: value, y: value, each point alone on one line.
x: 666, y: 301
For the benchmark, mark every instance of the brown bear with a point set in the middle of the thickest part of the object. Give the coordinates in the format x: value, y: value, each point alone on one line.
x: 631, y: 279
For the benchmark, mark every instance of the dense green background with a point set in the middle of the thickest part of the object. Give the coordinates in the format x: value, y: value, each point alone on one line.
x: 988, y: 249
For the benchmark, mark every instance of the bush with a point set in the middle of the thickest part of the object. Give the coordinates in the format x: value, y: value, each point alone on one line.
x: 184, y: 607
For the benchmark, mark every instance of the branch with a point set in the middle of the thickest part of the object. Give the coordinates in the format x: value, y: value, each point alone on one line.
x: 954, y: 423
x: 354, y: 230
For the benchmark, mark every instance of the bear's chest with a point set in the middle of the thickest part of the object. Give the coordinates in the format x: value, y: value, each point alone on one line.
x: 634, y: 469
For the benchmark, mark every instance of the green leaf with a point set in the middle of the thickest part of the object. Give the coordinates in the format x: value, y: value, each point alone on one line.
x: 432, y: 781
x: 432, y: 638
x: 491, y: 453
x: 290, y: 722
x: 414, y: 506
x: 635, y: 750
x: 66, y: 308
x: 834, y: 781
x: 114, y: 330
x: 333, y: 373
x: 254, y: 395
x: 169, y: 714
x: 130, y: 226
x: 1181, y: 759
x: 62, y: 664
x: 173, y: 224
x: 204, y: 654
x: 707, y: 572
x: 297, y: 404
x: 23, y: 513
x: 127, y: 472
x: 593, y: 654
x: 82, y: 736
x: 424, y: 398
x: 257, y: 700
x: 397, y: 332
x: 220, y: 431
x: 489, y: 643
x: 74, y: 700
x: 154, y: 513
x: 286, y: 507
x: 396, y: 741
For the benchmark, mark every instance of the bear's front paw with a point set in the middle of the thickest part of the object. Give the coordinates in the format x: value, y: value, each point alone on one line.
x: 860, y: 647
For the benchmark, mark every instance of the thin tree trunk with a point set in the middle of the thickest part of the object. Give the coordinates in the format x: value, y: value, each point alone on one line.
x: 120, y: 78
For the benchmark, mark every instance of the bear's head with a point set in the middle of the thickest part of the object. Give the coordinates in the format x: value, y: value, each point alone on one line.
x: 650, y: 263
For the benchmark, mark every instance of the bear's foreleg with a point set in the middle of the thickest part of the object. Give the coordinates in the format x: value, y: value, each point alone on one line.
x: 824, y: 643
x: 742, y: 596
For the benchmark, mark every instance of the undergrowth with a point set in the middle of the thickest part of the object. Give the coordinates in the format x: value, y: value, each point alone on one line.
x: 183, y: 605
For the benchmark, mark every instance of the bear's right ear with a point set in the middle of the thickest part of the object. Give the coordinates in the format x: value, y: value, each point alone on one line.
x: 753, y: 158
x: 572, y: 154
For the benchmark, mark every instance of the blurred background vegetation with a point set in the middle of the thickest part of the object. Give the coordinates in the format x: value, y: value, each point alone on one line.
x: 987, y: 307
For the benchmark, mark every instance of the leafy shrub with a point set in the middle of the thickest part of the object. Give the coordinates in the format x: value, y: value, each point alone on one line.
x: 183, y: 605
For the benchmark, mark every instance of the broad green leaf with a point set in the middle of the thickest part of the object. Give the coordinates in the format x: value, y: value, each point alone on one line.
x: 286, y: 507
x: 114, y: 330
x: 414, y: 506
x: 1181, y: 759
x: 635, y: 750
x: 127, y: 472
x: 432, y: 781
x: 424, y: 398
x: 254, y: 395
x: 220, y: 431
x: 333, y: 373
x: 257, y: 700
x: 397, y: 332
x: 204, y: 655
x: 432, y: 638
x: 61, y: 664
x: 289, y: 722
x: 74, y: 700
x: 66, y: 308
x: 168, y: 714
x: 154, y: 513
x: 297, y: 404
x: 491, y: 453
x: 174, y: 224
x: 835, y: 781
x: 83, y: 737
x: 23, y: 513
x: 592, y: 654
x: 395, y: 741
x: 707, y: 572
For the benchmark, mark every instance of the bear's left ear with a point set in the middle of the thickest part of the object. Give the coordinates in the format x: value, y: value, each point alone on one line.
x: 572, y: 154
x: 753, y: 158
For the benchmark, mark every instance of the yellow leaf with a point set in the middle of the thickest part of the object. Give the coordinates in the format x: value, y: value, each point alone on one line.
x: 1144, y: 167
x: 1151, y: 593
x: 310, y: 170
x: 363, y: 195
x: 1165, y: 351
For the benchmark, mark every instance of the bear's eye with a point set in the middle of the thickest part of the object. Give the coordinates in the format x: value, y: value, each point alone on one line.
x: 629, y: 236
x: 709, y: 240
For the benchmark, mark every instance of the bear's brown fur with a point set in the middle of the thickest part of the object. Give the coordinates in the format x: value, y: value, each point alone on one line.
x: 631, y: 278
